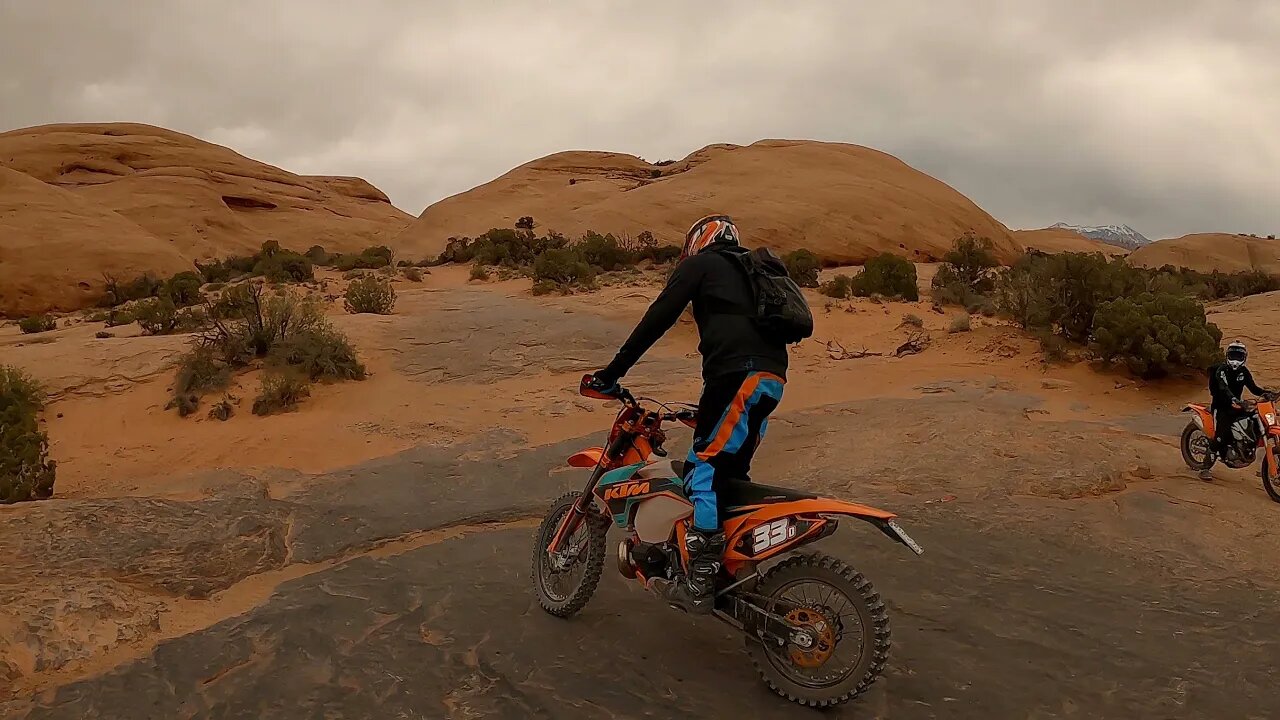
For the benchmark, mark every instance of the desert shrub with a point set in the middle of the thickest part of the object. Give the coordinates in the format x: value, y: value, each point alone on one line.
x: 803, y: 266
x: 280, y: 391
x: 645, y: 247
x: 370, y: 295
x: 285, y: 266
x: 318, y: 255
x: 660, y: 254
x: 117, y: 317
x: 103, y: 335
x: 967, y: 276
x: 26, y: 472
x: 99, y: 316
x: 183, y: 289
x: 547, y: 287
x: 241, y: 264
x: 222, y: 410
x: 604, y: 252
x: 371, y: 258
x: 887, y: 275
x: 456, y: 250
x: 1053, y: 347
x: 912, y: 320
x: 564, y: 268
x: 479, y: 272
x: 503, y: 246
x: 157, y: 316
x: 319, y: 353
x: 1062, y: 292
x: 960, y: 323
x: 413, y: 274
x: 971, y: 263
x: 247, y: 322
x: 140, y: 288
x: 1217, y: 286
x: 199, y: 371
x: 1155, y: 334
x: 525, y: 223
x: 1151, y: 322
x: 840, y: 287
x: 377, y: 256
x: 217, y: 271
x: 346, y: 263
x: 37, y: 324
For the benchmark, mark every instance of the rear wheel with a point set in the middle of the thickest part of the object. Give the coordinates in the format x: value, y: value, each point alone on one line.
x: 1271, y: 475
x: 564, y: 582
x: 1195, y: 448
x: 843, y: 639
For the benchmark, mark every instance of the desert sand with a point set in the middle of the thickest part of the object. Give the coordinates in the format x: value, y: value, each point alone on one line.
x: 1210, y: 252
x: 80, y: 200
x: 844, y: 202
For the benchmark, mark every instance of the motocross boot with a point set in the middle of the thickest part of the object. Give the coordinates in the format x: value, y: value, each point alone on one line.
x: 695, y: 592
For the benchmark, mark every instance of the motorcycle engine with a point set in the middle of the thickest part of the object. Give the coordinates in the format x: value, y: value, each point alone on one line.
x: 1240, y: 456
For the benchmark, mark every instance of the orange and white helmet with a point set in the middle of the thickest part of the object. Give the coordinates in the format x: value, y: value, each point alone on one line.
x: 708, y: 230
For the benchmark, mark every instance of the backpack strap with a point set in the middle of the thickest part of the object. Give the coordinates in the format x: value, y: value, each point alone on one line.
x: 741, y: 259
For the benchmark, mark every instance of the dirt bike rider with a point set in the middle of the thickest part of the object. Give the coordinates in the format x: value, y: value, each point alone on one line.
x: 743, y: 375
x: 1227, y: 382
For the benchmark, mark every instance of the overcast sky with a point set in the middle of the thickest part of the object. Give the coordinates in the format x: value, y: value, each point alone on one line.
x: 1163, y: 114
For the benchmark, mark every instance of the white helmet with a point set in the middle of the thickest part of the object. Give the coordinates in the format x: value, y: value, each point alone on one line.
x: 1237, y: 354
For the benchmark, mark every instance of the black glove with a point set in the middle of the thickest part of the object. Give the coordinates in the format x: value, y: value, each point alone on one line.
x: 604, y: 385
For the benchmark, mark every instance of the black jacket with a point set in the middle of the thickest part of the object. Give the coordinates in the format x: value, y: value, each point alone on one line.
x: 1226, y: 384
x: 722, y: 304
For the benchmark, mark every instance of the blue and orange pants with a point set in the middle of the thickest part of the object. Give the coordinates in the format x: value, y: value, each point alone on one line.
x: 733, y: 417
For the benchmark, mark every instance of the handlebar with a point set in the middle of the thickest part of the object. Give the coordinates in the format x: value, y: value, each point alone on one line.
x: 588, y: 388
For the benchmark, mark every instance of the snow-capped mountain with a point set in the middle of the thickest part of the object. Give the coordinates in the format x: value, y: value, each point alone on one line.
x: 1118, y: 235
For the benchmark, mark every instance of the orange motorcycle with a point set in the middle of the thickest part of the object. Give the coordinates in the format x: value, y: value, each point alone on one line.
x: 1254, y: 434
x: 816, y: 629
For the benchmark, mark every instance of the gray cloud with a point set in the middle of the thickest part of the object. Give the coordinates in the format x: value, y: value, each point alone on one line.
x: 1158, y: 113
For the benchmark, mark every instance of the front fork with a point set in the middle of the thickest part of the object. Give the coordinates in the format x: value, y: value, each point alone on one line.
x: 577, y: 513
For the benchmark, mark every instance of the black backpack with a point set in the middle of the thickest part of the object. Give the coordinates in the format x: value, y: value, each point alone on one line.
x: 781, y: 312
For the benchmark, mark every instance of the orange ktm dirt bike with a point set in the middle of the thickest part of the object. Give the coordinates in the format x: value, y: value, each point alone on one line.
x: 815, y: 628
x: 1255, y: 433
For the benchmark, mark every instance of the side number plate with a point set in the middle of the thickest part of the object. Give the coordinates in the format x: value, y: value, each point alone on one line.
x: 772, y: 534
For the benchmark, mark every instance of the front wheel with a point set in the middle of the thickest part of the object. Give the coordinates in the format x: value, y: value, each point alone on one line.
x: 1195, y: 448
x: 843, y: 642
x: 1271, y: 475
x: 564, y: 582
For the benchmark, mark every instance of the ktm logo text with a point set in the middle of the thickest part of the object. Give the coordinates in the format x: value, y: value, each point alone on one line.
x: 625, y: 491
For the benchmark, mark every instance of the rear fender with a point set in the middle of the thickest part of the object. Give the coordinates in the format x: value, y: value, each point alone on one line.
x: 776, y: 528
x: 1202, y: 417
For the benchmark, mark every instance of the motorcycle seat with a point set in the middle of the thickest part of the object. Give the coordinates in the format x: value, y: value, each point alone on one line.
x: 735, y: 493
